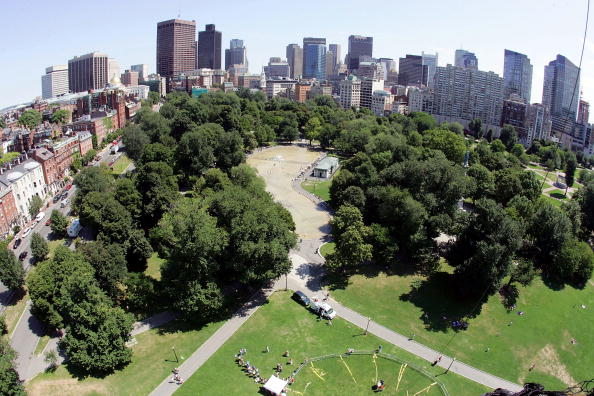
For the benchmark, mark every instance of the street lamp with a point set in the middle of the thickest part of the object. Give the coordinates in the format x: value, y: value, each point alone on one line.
x: 174, y: 353
x: 367, y: 327
x: 452, y: 362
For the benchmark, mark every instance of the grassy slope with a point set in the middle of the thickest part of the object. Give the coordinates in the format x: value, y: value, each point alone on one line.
x: 154, y: 266
x: 327, y: 249
x: 319, y: 188
x: 542, y: 335
x: 282, y: 324
x: 152, y: 362
x: 121, y: 164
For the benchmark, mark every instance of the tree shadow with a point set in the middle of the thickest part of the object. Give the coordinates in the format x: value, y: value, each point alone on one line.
x: 441, y: 303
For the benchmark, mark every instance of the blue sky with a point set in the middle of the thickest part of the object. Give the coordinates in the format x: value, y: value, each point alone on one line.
x: 37, y: 34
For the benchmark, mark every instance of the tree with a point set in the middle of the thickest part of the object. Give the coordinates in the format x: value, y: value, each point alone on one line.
x: 476, y: 126
x: 10, y: 383
x: 313, y: 127
x: 350, y: 237
x: 50, y: 357
x: 60, y: 116
x: 12, y: 273
x: 59, y: 224
x: 229, y: 150
x: 489, y: 135
x: 30, y: 119
x: 77, y: 163
x: 134, y: 139
x: 423, y: 121
x: 158, y: 187
x: 127, y: 195
x: 574, y: 263
x: 109, y: 262
x: 522, y: 273
x: 451, y: 144
x: 88, y: 157
x: 482, y: 183
x: 153, y: 97
x: 508, y: 136
x: 94, y: 178
x: 586, y: 200
x: 287, y: 130
x: 570, y: 167
x: 35, y: 205
x: 39, y: 247
x: 550, y: 229
x: 199, y: 303
x: 195, y: 151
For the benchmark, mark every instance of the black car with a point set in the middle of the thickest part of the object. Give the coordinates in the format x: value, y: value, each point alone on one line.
x: 23, y: 255
x: 301, y: 298
x: 17, y: 243
x: 57, y: 198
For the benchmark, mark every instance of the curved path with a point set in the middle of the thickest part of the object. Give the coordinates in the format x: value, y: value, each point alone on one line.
x: 280, y: 167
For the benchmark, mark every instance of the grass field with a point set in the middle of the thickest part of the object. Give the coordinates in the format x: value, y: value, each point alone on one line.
x: 154, y: 266
x: 319, y: 188
x: 327, y: 248
x: 553, y: 201
x: 121, y: 164
x: 282, y: 324
x: 14, y: 310
x: 500, y: 342
x: 152, y: 362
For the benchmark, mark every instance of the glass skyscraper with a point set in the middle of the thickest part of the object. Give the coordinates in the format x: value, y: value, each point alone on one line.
x: 314, y: 58
x: 560, y: 94
x: 517, y: 75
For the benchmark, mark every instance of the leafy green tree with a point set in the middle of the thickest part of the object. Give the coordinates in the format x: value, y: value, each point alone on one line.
x: 139, y: 250
x: 489, y: 135
x: 570, y: 167
x: 455, y: 127
x: 451, y: 144
x: 550, y: 229
x: 423, y: 121
x: 574, y: 263
x: 60, y: 116
x: 313, y: 127
x: 35, y: 205
x: 59, y: 224
x: 156, y: 152
x: 77, y: 163
x: 94, y: 178
x: 10, y: 383
x: 30, y: 119
x: 497, y: 146
x: 158, y: 187
x: 350, y: 235
x: 476, y: 126
x: 109, y: 263
x: 107, y: 216
x: 195, y: 151
x: 12, y: 273
x: 523, y: 272
x: 586, y: 201
x: 229, y: 150
x: 155, y: 125
x: 126, y: 194
x: 2, y: 123
x: 508, y: 136
x: 153, y: 97
x: 287, y: 130
x: 482, y: 184
x: 39, y: 247
x: 89, y: 156
x: 3, y: 327
x: 141, y: 295
x: 199, y: 302
x: 135, y: 140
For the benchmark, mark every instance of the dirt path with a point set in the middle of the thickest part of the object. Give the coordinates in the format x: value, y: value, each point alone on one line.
x: 279, y: 166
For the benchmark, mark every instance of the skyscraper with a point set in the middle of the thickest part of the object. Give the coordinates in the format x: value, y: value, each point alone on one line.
x: 236, y: 54
x: 295, y: 59
x: 583, y: 112
x: 314, y: 58
x: 431, y: 62
x: 335, y: 49
x: 87, y: 72
x: 358, y: 46
x: 466, y: 59
x: 411, y: 71
x: 517, y: 75
x: 54, y: 82
x: 560, y: 94
x: 176, y: 47
x: 209, y: 48
x: 142, y: 70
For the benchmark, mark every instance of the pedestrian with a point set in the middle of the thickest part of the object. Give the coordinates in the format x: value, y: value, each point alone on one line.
x: 329, y: 322
x: 379, y: 349
x: 531, y: 366
x: 290, y: 362
x: 412, y: 337
x: 510, y: 323
x: 267, y: 349
x: 286, y: 354
x: 488, y: 349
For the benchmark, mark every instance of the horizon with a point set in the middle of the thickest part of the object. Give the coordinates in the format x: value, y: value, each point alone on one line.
x: 530, y: 27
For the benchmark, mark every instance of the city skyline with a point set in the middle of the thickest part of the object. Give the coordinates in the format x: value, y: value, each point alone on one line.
x: 131, y: 38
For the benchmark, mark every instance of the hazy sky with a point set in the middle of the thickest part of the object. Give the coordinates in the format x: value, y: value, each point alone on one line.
x: 37, y: 34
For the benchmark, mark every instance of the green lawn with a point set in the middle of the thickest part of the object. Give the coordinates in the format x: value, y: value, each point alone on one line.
x: 282, y: 324
x: 53, y: 244
x: 541, y: 178
x: 553, y: 201
x: 327, y: 248
x: 154, y: 266
x: 500, y: 342
x: 319, y: 188
x: 120, y: 165
x: 559, y: 194
x: 152, y: 362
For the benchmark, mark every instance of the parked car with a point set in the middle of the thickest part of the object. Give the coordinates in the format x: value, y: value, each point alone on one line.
x: 48, y: 222
x: 301, y: 298
x: 39, y: 216
x: 27, y: 232
x: 64, y: 202
x: 17, y: 243
x: 68, y: 186
x: 323, y: 309
x: 74, y: 228
x: 57, y: 197
x: 23, y: 255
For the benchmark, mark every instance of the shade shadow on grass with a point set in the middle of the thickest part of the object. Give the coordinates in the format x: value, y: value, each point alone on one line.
x: 558, y: 195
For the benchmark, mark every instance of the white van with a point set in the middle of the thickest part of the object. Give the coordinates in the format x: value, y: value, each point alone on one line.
x: 74, y: 228
x: 39, y: 217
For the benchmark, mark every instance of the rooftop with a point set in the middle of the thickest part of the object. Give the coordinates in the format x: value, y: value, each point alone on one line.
x: 328, y: 163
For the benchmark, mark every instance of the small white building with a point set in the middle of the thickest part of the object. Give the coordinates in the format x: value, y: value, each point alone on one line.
x: 326, y: 167
x: 140, y: 91
x: 381, y: 102
x: 26, y: 179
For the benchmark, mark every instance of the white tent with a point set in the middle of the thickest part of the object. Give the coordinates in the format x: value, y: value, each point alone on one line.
x: 275, y: 385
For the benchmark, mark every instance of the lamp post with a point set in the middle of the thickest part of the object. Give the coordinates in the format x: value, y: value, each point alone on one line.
x: 286, y: 282
x: 452, y: 362
x: 367, y: 327
x: 174, y: 353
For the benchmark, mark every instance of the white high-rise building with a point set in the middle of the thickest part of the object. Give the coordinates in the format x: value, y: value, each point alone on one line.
x: 368, y: 87
x: 113, y: 69
x: 350, y: 92
x: 381, y: 102
x: 463, y: 94
x: 431, y: 62
x: 142, y: 70
x: 54, y: 82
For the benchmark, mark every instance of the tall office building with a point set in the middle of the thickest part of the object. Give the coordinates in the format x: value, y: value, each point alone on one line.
x: 466, y: 94
x: 411, y: 71
x: 209, y: 48
x: 350, y: 92
x: 335, y: 49
x: 113, y: 69
x: 295, y: 59
x: 87, y: 72
x: 330, y: 64
x: 560, y: 92
x: 142, y: 70
x: 358, y: 46
x: 466, y: 59
x: 388, y: 66
x: 583, y: 112
x: 277, y: 69
x: 368, y: 87
x: 314, y: 58
x: 54, y: 82
x: 517, y: 75
x: 431, y: 62
x: 129, y: 78
x: 236, y: 54
x: 176, y: 47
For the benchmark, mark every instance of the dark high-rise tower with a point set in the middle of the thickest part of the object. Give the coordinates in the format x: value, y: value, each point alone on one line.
x: 335, y: 49
x: 314, y: 58
x: 87, y: 72
x: 517, y: 75
x: 466, y: 59
x: 358, y: 46
x: 560, y: 94
x: 295, y: 59
x: 209, y: 48
x: 411, y: 71
x: 236, y: 54
x: 176, y: 47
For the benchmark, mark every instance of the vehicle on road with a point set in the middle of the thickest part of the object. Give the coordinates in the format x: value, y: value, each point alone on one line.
x: 74, y: 228
x: 114, y: 149
x: 27, y: 232
x: 301, y: 298
x: 57, y: 197
x: 39, y: 216
x: 17, y: 243
x: 23, y: 255
x: 48, y: 222
x: 68, y: 186
x: 98, y: 157
x: 323, y: 309
x: 64, y: 202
